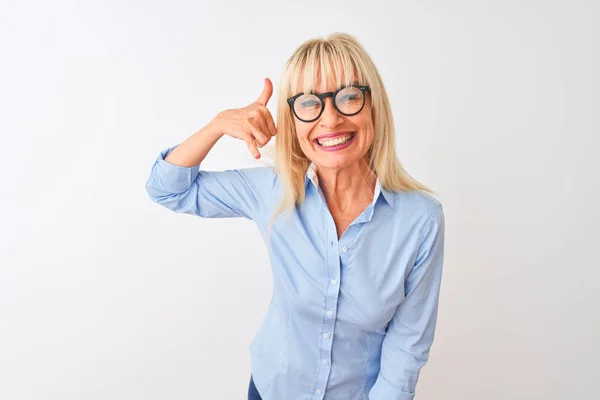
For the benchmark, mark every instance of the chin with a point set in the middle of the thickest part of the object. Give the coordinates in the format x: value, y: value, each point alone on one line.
x: 335, y: 161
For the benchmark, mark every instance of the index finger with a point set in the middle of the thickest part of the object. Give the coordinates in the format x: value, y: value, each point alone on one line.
x: 271, y: 124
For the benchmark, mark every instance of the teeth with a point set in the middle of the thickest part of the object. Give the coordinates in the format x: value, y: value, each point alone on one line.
x: 334, y: 142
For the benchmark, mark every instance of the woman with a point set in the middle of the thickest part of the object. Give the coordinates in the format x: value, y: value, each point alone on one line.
x: 356, y: 244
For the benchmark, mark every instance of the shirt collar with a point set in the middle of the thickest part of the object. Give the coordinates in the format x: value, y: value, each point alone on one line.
x: 311, y: 176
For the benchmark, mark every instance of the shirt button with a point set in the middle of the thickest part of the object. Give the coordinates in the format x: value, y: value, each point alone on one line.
x: 333, y: 281
x: 344, y: 249
x: 329, y: 312
x: 326, y: 336
x: 324, y: 361
x: 318, y: 391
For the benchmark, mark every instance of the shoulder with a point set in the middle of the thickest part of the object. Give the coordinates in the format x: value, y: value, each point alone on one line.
x: 418, y: 215
x: 417, y: 203
x: 416, y: 211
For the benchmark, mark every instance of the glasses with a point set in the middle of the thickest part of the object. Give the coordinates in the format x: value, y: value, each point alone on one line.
x: 348, y: 100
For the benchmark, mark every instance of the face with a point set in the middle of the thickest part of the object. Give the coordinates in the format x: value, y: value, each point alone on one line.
x: 335, y: 125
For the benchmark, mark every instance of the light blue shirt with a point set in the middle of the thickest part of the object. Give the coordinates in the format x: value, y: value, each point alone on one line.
x: 350, y: 318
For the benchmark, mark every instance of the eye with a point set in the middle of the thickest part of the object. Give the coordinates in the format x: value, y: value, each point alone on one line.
x: 309, y: 104
x: 349, y: 97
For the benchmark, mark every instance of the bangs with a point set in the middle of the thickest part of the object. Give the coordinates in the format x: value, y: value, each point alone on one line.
x: 319, y: 62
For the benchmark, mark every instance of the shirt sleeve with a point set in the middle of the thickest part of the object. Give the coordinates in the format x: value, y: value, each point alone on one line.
x: 410, y: 333
x: 210, y: 194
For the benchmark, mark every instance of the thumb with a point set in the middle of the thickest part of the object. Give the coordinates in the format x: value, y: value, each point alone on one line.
x: 266, y: 93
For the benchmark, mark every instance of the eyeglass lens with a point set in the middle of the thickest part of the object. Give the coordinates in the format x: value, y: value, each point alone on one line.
x: 348, y: 101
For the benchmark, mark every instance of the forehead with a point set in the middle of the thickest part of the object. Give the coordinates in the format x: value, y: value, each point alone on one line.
x: 323, y: 82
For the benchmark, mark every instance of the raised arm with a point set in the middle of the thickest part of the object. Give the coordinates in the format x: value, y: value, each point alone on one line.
x: 177, y: 182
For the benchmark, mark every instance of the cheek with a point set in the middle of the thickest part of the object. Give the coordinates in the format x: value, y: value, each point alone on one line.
x: 366, y: 125
x: 371, y: 127
x: 302, y: 132
x: 368, y: 128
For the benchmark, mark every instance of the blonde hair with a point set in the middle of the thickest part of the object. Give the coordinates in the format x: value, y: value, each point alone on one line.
x: 339, y: 55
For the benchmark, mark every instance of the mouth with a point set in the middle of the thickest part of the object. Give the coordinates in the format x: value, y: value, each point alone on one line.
x: 335, y: 141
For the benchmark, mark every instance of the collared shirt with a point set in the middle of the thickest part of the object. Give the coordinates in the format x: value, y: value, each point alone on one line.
x: 350, y: 318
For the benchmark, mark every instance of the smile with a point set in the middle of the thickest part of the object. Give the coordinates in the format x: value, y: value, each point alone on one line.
x: 335, y: 143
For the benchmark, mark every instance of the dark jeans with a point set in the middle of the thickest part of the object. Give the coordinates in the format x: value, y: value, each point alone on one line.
x: 252, y: 392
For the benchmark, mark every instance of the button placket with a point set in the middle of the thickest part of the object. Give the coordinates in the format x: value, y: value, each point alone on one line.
x: 331, y: 299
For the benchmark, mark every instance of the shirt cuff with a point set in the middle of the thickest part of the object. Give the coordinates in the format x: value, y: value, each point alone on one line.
x: 172, y: 178
x: 383, y: 390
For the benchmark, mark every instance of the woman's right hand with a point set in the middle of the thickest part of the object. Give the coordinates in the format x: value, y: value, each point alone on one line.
x: 253, y: 124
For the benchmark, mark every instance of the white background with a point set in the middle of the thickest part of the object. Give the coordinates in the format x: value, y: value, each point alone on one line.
x: 106, y: 295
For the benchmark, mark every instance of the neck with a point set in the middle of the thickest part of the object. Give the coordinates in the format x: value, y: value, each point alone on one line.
x: 346, y: 187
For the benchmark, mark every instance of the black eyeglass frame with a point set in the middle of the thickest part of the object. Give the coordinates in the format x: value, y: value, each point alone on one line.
x: 322, y: 97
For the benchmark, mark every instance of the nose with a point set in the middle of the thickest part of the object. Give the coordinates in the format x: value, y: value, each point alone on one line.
x: 330, y: 117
